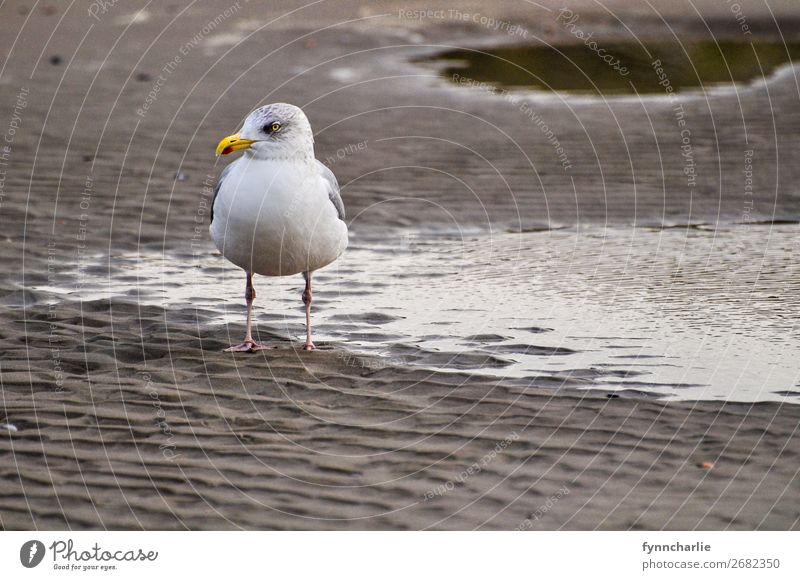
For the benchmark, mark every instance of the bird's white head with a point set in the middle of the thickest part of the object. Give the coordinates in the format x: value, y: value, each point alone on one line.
x: 277, y: 131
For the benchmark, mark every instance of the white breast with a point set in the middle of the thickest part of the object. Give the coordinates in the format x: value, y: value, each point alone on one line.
x: 274, y: 218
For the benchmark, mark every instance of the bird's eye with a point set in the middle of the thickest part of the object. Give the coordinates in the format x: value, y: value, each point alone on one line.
x: 274, y: 128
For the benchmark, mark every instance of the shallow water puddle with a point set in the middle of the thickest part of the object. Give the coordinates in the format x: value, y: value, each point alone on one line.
x: 683, y: 313
x: 620, y: 67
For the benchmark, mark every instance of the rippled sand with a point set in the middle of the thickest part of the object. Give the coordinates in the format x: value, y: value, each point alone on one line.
x: 149, y: 425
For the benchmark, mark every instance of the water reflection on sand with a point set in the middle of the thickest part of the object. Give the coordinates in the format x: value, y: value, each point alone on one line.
x: 688, y: 313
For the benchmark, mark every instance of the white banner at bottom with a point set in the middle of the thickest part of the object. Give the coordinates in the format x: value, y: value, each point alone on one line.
x: 417, y: 555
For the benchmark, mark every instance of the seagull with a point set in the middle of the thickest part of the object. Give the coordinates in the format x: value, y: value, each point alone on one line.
x: 276, y: 210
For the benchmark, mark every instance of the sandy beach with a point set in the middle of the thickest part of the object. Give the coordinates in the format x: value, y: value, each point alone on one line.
x: 520, y: 336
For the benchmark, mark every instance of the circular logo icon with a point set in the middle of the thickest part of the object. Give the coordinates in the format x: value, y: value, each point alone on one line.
x: 31, y: 553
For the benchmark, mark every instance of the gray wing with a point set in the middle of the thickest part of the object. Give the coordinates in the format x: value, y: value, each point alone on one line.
x: 333, y: 188
x: 217, y: 186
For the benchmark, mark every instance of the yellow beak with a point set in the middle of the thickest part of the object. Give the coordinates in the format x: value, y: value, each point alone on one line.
x: 233, y: 143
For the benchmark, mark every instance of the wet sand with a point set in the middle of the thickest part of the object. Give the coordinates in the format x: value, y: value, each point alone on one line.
x: 120, y: 411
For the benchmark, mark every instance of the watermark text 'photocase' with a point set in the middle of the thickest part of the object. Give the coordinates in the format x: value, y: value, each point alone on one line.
x: 568, y: 19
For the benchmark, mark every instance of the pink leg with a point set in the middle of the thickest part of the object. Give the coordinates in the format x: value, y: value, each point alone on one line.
x: 248, y: 344
x: 307, y: 301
